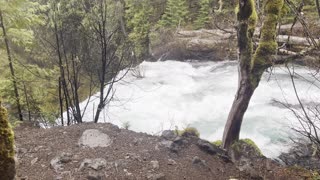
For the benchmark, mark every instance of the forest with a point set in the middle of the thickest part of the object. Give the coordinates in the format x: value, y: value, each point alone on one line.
x: 71, y: 62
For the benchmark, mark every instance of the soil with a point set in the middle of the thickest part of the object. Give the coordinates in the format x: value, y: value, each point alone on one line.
x: 131, y: 155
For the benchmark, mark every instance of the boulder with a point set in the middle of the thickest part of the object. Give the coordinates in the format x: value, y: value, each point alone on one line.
x: 209, y: 148
x: 94, y: 138
x: 168, y: 135
x: 304, y: 155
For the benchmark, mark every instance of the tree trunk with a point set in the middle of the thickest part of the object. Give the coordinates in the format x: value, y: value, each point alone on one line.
x: 238, y: 109
x: 16, y: 92
x: 62, y: 80
x: 103, y: 39
x: 75, y: 89
x: 251, y: 65
x: 318, y: 7
x: 61, y: 101
x: 27, y: 100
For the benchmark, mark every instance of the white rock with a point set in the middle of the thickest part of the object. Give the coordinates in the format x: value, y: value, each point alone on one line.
x: 94, y: 138
x: 155, y: 165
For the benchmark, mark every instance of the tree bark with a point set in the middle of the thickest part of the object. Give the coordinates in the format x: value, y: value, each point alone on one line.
x: 63, y: 84
x: 239, y: 107
x: 61, y: 101
x: 14, y: 81
x: 251, y: 65
x: 103, y: 39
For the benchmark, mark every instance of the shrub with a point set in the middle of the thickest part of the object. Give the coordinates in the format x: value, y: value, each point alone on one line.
x: 126, y: 125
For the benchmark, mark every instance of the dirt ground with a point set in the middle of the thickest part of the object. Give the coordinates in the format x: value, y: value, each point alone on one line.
x: 131, y: 155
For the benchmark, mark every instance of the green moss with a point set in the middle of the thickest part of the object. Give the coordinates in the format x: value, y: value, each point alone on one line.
x: 253, y: 17
x: 251, y: 143
x: 273, y: 7
x: 217, y: 143
x: 239, y: 144
x: 188, y: 131
x: 267, y: 44
x: 6, y: 146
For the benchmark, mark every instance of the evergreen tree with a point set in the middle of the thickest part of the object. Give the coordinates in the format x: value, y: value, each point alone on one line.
x: 204, y: 15
x: 176, y: 14
x: 138, y: 22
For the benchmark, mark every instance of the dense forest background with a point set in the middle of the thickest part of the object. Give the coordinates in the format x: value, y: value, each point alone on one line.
x: 55, y: 54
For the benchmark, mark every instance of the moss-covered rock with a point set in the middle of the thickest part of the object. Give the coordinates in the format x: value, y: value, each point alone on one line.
x: 245, y: 148
x: 217, y: 143
x: 189, y: 131
x: 7, y: 163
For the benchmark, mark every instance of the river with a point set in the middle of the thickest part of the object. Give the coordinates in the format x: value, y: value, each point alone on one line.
x: 173, y: 94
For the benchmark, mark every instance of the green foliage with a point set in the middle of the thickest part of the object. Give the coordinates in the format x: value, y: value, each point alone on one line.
x: 126, y: 125
x: 19, y: 17
x: 204, y: 14
x: 176, y: 14
x: 37, y: 90
x: 7, y: 162
x: 137, y: 16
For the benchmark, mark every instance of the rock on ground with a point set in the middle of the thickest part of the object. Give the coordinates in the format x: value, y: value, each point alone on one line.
x: 94, y: 138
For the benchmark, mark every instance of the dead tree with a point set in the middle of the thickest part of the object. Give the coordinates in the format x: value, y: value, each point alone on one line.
x: 116, y: 53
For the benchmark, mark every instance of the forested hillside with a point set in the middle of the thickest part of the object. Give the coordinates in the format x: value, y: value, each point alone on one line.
x: 62, y: 52
x: 62, y: 59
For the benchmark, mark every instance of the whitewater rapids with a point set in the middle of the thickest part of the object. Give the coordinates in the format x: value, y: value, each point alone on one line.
x: 174, y: 94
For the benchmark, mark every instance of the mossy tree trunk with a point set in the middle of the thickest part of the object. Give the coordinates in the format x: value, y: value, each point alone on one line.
x: 7, y: 163
x: 251, y: 64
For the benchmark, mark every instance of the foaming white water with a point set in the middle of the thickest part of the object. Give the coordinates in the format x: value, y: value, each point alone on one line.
x: 200, y: 94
